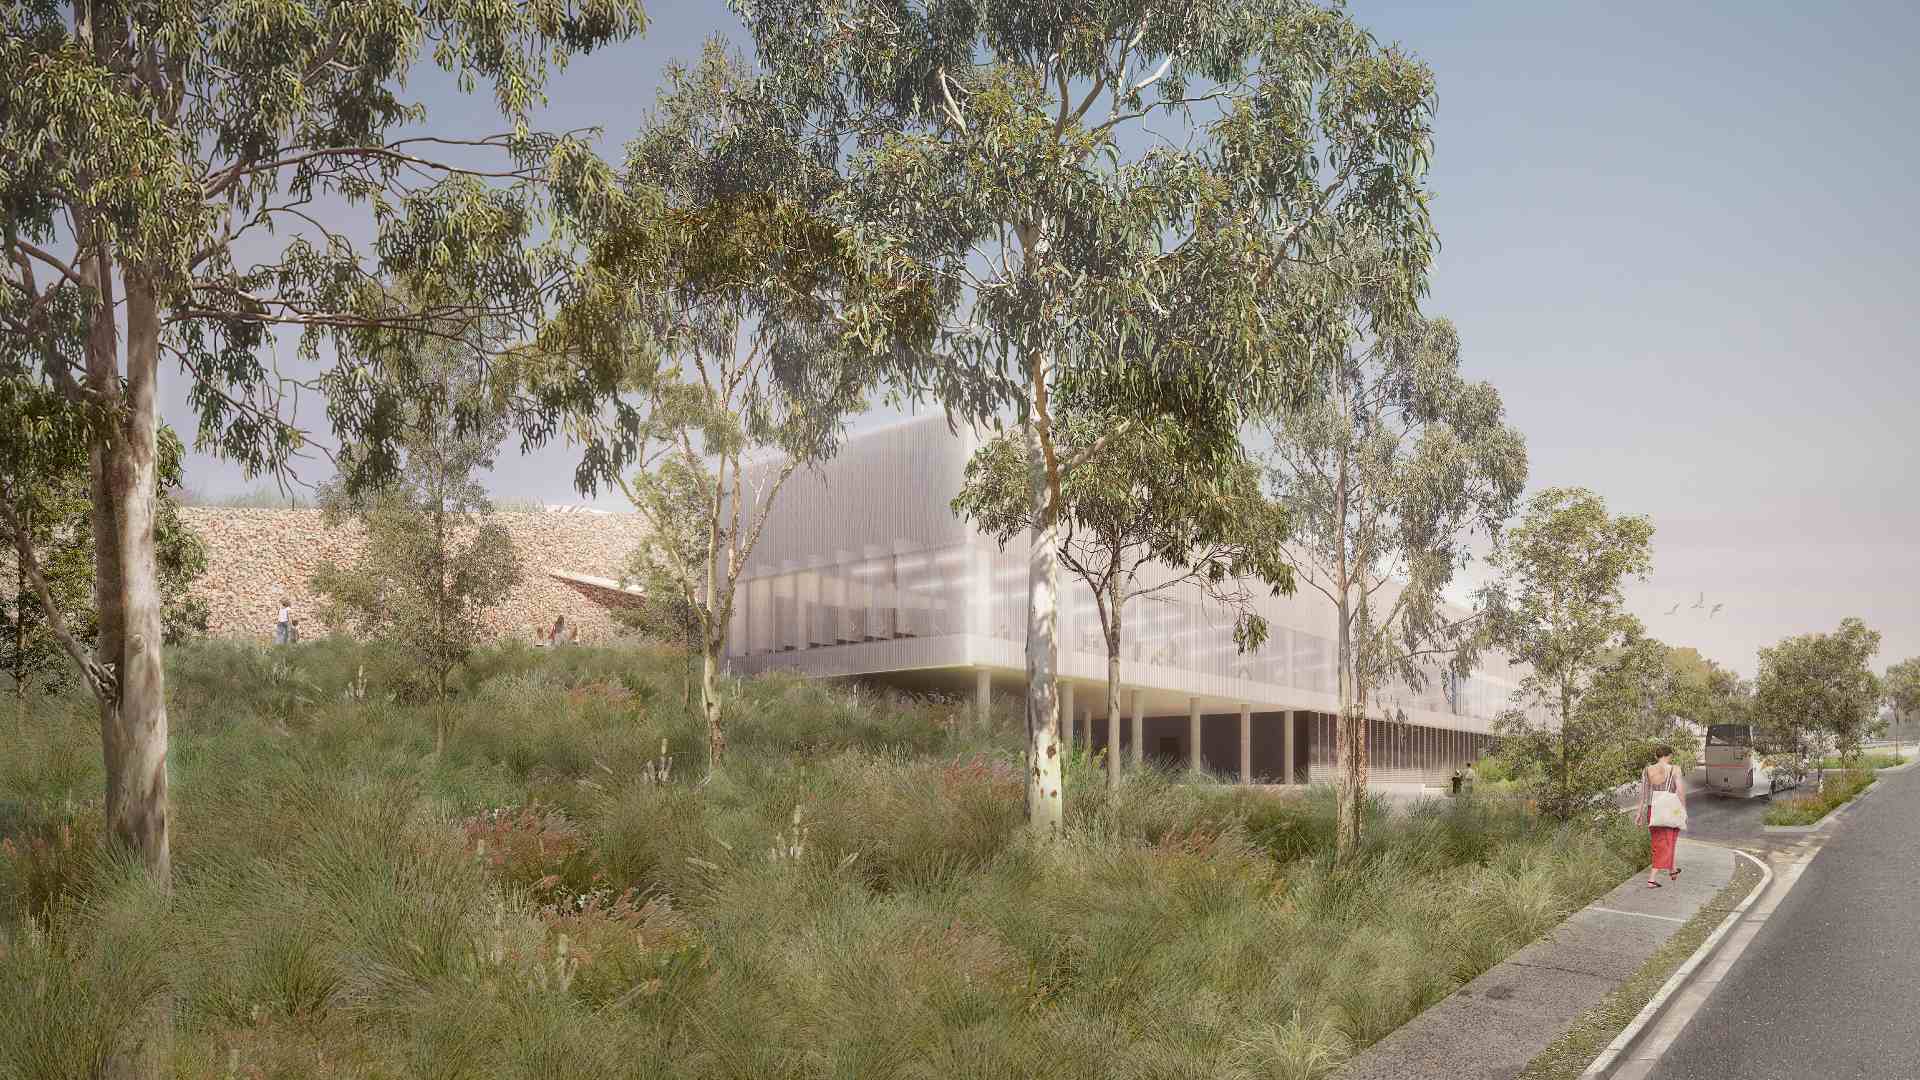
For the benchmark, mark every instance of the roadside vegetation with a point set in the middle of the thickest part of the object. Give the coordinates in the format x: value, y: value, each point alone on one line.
x: 558, y: 892
x: 1836, y: 790
x: 1872, y: 761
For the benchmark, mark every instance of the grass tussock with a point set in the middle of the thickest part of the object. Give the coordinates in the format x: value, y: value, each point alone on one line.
x: 1836, y: 790
x: 540, y: 878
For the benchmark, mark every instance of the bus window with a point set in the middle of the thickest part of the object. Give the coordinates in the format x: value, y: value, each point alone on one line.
x: 1729, y: 735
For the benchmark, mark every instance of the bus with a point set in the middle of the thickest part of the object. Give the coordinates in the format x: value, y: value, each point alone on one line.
x: 1734, y: 766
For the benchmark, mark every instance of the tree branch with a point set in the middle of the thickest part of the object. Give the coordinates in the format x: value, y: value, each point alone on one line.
x: 953, y: 107
x: 100, y: 678
x: 45, y: 256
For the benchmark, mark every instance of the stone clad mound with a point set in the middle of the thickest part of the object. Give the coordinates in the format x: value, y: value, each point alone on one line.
x: 255, y: 557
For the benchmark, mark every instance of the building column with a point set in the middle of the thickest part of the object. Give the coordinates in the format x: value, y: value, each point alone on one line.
x: 1193, y: 734
x: 982, y: 696
x: 1246, y: 743
x: 1139, y: 726
x: 1068, y: 718
x: 1286, y: 743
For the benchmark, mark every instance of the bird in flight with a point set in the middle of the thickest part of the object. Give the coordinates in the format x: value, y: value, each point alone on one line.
x: 1701, y: 602
x: 1674, y: 608
x: 1715, y: 611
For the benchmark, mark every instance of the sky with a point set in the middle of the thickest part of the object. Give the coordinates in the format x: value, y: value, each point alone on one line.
x: 1675, y: 237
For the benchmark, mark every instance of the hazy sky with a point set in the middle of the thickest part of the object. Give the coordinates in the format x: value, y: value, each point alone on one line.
x: 1676, y: 237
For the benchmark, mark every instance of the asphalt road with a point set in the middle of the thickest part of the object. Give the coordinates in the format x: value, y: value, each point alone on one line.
x: 1722, y: 819
x: 1830, y: 986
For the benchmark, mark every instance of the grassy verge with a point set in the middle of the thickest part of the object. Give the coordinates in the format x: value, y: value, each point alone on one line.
x: 1871, y: 760
x: 1835, y: 791
x: 1572, y: 1052
x: 559, y: 889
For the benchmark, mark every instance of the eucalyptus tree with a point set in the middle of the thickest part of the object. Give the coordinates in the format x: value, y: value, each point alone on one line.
x: 714, y: 285
x: 1388, y: 471
x: 434, y: 561
x: 184, y: 182
x: 1562, y: 612
x: 1902, y: 683
x: 1636, y: 700
x: 1106, y: 200
x: 1818, y: 689
x: 1141, y: 521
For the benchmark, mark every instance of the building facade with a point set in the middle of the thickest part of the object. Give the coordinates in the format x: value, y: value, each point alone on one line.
x: 863, y: 569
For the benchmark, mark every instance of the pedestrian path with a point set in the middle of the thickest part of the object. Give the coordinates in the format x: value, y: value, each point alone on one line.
x: 1492, y: 1027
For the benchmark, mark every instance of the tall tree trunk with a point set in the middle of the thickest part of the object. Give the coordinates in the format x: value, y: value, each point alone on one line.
x: 1112, y: 634
x: 1565, y: 808
x: 1045, y: 810
x: 710, y: 702
x: 123, y: 464
x: 714, y: 615
x: 1350, y: 729
x: 1350, y: 748
x: 131, y: 624
x: 20, y: 609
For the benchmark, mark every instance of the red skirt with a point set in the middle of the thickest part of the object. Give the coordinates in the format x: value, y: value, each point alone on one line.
x: 1663, y: 841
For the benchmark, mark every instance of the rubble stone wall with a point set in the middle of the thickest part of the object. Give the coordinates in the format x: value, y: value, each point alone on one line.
x: 255, y: 557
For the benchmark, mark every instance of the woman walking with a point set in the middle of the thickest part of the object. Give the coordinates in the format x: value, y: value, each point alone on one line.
x: 1663, y: 810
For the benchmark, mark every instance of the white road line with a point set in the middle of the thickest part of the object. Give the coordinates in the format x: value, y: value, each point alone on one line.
x: 1642, y: 914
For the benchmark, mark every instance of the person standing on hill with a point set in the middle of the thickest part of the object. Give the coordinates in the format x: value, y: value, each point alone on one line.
x: 283, y: 628
x: 1663, y: 810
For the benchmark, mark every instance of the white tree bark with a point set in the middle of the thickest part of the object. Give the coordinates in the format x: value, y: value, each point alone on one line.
x: 1045, y: 809
x: 133, y: 708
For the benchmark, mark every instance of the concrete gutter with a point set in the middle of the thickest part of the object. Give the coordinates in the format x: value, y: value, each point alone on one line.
x: 1623, y: 1042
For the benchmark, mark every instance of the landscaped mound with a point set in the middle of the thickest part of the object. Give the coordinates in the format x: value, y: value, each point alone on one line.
x: 851, y: 895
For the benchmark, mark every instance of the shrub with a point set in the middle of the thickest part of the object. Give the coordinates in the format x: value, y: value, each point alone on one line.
x: 50, y: 864
x: 1836, y: 789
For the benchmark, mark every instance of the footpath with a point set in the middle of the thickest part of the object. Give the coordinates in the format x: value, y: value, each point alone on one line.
x: 1492, y: 1027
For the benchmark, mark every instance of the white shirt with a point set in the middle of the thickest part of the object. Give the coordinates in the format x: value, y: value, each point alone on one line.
x: 286, y: 613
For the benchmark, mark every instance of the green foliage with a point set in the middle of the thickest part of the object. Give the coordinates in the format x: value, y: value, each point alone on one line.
x: 993, y: 166
x: 1870, y: 761
x: 1109, y: 209
x: 153, y: 151
x: 1836, y: 790
x: 714, y: 284
x: 1136, y: 500
x: 1817, y: 689
x: 162, y: 133
x: 336, y: 913
x: 434, y: 561
x: 1388, y: 469
x: 1902, y: 684
x: 45, y: 486
x: 1563, y: 614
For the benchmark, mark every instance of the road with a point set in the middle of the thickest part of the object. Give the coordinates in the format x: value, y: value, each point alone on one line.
x: 1827, y: 988
x: 1720, y: 819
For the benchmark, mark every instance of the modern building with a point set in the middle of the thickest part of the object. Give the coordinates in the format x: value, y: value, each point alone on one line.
x: 864, y: 570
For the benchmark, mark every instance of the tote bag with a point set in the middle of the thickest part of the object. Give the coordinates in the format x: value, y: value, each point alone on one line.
x: 1667, y: 811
